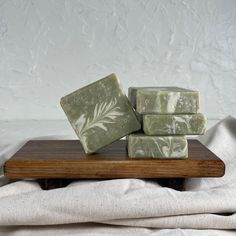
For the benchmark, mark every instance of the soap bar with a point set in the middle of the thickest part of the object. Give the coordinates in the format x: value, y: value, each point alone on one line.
x: 132, y: 91
x: 100, y: 113
x: 164, y: 100
x: 132, y: 94
x: 144, y: 146
x: 186, y: 124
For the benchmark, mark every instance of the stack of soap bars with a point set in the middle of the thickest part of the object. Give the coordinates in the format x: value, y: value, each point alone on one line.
x: 167, y: 114
x: 101, y: 113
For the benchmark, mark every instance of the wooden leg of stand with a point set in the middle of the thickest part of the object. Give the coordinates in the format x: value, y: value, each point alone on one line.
x: 48, y: 184
x: 175, y: 183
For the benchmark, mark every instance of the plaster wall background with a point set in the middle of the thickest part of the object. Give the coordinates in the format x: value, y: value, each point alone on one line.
x: 50, y: 48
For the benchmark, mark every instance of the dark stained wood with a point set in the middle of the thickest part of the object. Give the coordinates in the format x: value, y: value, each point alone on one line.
x: 48, y: 184
x: 175, y: 183
x: 45, y: 159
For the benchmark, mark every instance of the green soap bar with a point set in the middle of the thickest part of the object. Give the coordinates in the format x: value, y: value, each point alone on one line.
x: 144, y: 146
x: 132, y: 97
x: 100, y: 113
x: 132, y: 94
x: 139, y: 117
x: 154, y: 124
x: 164, y: 100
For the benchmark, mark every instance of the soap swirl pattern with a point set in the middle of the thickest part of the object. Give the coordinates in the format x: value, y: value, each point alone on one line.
x: 104, y: 113
x: 164, y: 146
x: 179, y: 124
x: 169, y: 148
x: 175, y: 102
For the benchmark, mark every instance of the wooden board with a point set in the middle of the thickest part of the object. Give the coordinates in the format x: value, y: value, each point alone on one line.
x: 66, y: 159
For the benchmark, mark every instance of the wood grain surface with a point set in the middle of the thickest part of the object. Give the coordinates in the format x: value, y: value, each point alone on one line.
x: 44, y: 159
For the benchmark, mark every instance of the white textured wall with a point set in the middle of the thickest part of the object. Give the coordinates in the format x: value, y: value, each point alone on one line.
x: 50, y: 48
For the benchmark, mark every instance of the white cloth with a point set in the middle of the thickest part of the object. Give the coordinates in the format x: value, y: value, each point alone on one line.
x: 126, y: 206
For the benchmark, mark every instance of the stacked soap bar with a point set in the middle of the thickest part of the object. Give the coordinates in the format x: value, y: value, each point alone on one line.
x: 144, y: 146
x: 167, y: 114
x: 164, y: 100
x: 100, y: 113
x: 185, y: 124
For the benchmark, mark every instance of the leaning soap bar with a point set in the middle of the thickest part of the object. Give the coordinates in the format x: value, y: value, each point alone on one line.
x: 144, y: 146
x: 100, y: 113
x: 186, y: 124
x: 164, y: 100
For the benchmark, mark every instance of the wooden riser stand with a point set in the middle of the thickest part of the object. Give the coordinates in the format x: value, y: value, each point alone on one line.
x: 55, y: 163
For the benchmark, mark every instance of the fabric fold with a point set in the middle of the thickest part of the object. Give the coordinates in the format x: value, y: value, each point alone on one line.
x: 209, y: 203
x: 110, y: 200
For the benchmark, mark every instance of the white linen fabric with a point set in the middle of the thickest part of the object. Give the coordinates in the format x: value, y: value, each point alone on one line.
x: 126, y: 206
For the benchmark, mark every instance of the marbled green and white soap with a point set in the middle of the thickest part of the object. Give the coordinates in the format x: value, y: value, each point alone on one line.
x: 185, y: 124
x: 132, y: 94
x: 144, y: 146
x: 100, y: 113
x: 132, y: 91
x: 164, y: 100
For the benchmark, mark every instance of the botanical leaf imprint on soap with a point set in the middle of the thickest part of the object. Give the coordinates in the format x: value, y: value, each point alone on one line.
x: 164, y: 147
x: 176, y: 125
x: 104, y: 113
x: 169, y: 147
x: 180, y: 125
